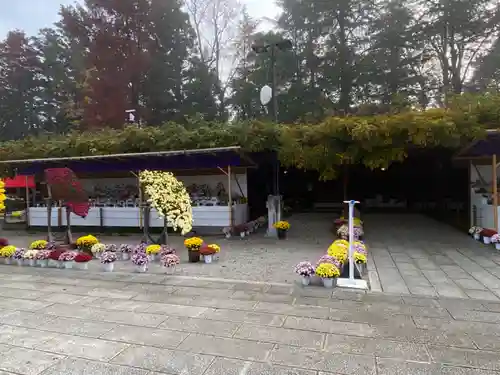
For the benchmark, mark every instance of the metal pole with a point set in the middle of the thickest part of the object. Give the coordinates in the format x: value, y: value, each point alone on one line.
x: 276, y: 171
x: 351, y: 238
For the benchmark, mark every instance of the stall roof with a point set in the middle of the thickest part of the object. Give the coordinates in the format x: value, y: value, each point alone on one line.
x: 483, y: 148
x: 157, y: 160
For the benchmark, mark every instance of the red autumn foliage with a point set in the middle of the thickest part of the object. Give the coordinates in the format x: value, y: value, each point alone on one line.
x: 4, y: 242
x: 488, y: 232
x: 83, y: 258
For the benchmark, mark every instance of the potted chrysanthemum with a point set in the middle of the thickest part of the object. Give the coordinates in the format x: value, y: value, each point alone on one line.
x: 19, y: 256
x: 82, y: 260
x: 328, y: 273
x: 38, y: 245
x: 140, y: 260
x: 29, y: 257
x: 216, y: 249
x: 193, y: 244
x: 7, y: 252
x: 108, y: 259
x: 125, y: 250
x: 360, y: 256
x: 282, y: 228
x: 42, y: 258
x: 495, y: 240
x: 207, y: 253
x: 68, y: 259
x: 85, y: 243
x: 170, y: 262
x: 97, y: 249
x: 152, y: 251
x: 477, y: 233
x: 487, y: 234
x: 305, y: 270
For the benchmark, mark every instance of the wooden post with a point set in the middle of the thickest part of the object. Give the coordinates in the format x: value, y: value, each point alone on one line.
x: 229, y: 195
x: 495, y: 192
x: 27, y: 203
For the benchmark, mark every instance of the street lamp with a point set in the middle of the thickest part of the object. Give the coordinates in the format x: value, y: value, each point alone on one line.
x: 282, y: 45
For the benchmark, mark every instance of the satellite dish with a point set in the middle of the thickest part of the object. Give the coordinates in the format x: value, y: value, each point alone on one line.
x: 266, y: 93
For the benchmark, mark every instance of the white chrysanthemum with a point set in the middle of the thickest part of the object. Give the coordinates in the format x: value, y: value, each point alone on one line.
x: 169, y: 198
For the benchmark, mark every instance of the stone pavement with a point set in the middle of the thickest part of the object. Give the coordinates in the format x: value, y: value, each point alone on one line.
x: 65, y: 322
x: 413, y: 254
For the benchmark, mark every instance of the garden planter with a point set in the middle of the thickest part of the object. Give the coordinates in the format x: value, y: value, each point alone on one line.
x: 487, y: 240
x: 53, y: 263
x: 82, y: 265
x: 43, y: 263
x: 281, y: 234
x: 30, y: 262
x: 477, y: 236
x: 7, y: 260
x: 19, y: 262
x: 141, y: 269
x: 170, y: 270
x: 306, y: 280
x: 329, y: 282
x: 497, y: 246
x: 362, y: 268
x: 125, y: 256
x: 69, y: 264
x: 208, y: 258
x: 108, y: 267
x: 242, y: 234
x: 194, y: 256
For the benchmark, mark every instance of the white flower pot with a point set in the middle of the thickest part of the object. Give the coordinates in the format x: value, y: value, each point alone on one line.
x: 7, y: 260
x: 108, y: 267
x: 242, y: 234
x: 487, y: 240
x: 69, y: 264
x: 43, y: 263
x: 141, y: 269
x: 477, y: 236
x: 497, y: 246
x: 30, y: 262
x: 125, y: 256
x: 82, y: 265
x: 208, y: 258
x: 19, y: 262
x: 170, y: 270
x: 329, y: 282
x: 53, y: 263
x: 306, y: 280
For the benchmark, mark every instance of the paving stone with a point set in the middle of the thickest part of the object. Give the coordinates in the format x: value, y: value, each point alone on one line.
x: 420, y: 301
x: 313, y: 292
x: 456, y: 325
x: 306, y: 339
x: 83, y: 347
x: 278, y: 289
x: 416, y: 281
x: 436, y: 276
x: 78, y: 327
x: 26, y: 361
x: 25, y: 337
x: 121, y: 305
x: 72, y: 366
x: 329, y: 326
x: 286, y: 309
x: 205, y: 326
x: 223, y: 366
x: 265, y: 297
x: 372, y: 317
x: 112, y: 293
x: 22, y: 304
x: 377, y: 347
x: 70, y: 299
x: 469, y: 284
x: 245, y: 316
x: 485, y: 341
x: 189, y: 291
x: 423, y: 291
x: 25, y: 319
x: 146, y: 336
x: 226, y: 347
x: 164, y: 360
x: 449, y: 290
x: 22, y: 294
x: 317, y: 360
x: 462, y: 303
x: 478, y: 316
x: 395, y: 367
x: 175, y: 310
x: 481, y: 295
x: 462, y: 357
x: 252, y: 287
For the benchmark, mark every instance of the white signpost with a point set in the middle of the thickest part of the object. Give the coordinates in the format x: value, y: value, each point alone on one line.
x: 351, y: 282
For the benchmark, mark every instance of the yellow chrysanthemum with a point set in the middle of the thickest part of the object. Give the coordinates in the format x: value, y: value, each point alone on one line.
x: 327, y: 270
x: 153, y: 249
x: 282, y: 225
x: 38, y: 245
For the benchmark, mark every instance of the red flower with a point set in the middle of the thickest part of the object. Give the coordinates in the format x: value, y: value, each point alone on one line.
x: 83, y: 258
x: 488, y: 232
x: 205, y: 250
x: 54, y: 255
x: 4, y: 242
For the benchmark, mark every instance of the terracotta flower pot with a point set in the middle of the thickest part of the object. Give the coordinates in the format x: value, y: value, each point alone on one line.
x: 194, y: 256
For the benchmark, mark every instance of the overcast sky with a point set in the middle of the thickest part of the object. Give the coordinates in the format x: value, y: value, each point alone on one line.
x: 32, y: 15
